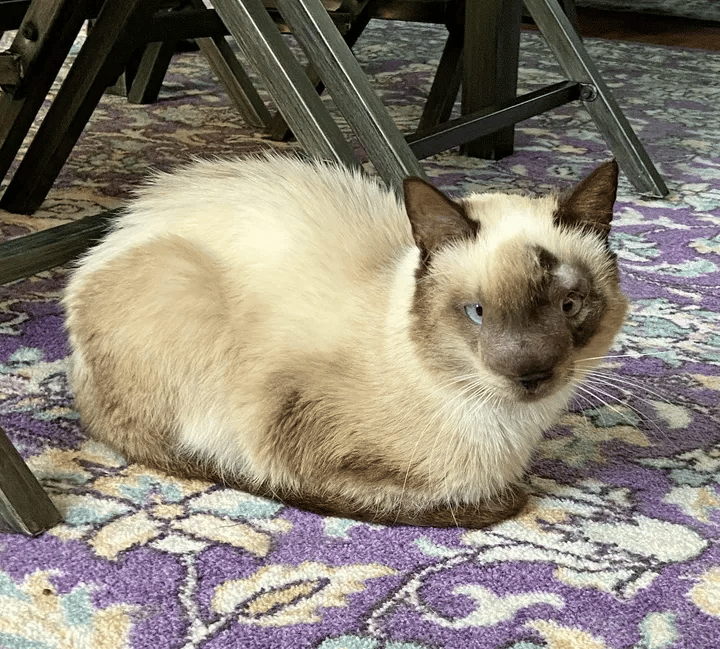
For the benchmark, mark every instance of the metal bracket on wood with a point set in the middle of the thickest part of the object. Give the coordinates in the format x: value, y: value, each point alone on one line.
x: 588, y: 92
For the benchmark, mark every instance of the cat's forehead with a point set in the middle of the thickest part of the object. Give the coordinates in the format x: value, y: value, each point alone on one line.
x: 518, y: 249
x: 500, y: 213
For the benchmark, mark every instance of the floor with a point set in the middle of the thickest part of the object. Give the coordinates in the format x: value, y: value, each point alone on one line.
x: 660, y: 30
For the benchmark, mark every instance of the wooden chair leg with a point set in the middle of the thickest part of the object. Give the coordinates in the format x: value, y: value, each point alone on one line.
x: 141, y: 80
x: 42, y: 42
x: 236, y: 82
x: 119, y: 30
x: 490, y: 69
x: 24, y: 505
x: 446, y: 83
x: 150, y: 72
x: 351, y: 91
x: 234, y: 79
x: 278, y: 129
x: 260, y: 41
x: 24, y: 256
x: 564, y: 41
x: 570, y: 9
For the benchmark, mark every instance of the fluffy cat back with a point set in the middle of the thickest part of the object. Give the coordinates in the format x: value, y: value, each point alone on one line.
x: 267, y: 211
x: 303, y: 245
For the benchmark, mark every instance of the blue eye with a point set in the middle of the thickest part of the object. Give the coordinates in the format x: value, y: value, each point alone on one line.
x: 474, y: 312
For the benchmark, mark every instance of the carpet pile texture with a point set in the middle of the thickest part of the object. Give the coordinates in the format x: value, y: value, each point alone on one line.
x: 619, y: 547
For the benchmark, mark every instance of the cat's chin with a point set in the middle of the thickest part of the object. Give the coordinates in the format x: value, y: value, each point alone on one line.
x: 529, y: 394
x: 534, y: 396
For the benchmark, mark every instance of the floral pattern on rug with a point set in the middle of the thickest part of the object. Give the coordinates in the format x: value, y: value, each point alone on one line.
x: 618, y: 548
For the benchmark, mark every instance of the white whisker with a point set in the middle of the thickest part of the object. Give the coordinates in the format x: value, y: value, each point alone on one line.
x: 597, y: 382
x: 620, y: 382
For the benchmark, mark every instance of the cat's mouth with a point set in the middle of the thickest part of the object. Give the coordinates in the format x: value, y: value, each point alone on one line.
x: 538, y: 385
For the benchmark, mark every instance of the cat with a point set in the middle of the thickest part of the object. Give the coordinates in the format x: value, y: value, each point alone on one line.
x: 296, y: 330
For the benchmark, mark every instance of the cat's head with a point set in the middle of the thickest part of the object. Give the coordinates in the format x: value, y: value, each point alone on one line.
x: 518, y: 296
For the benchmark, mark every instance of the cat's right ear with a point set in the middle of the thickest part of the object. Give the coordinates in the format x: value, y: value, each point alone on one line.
x: 435, y: 218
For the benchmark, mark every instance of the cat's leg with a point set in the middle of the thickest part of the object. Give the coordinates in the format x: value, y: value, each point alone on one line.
x: 504, y: 505
x: 331, y: 468
x: 115, y: 412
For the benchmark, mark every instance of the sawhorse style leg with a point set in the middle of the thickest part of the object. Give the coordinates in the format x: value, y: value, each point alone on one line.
x: 116, y: 34
x: 41, y: 44
x: 350, y: 89
x: 258, y: 38
x: 573, y: 58
x: 235, y: 80
x: 24, y: 505
x: 446, y: 83
x: 147, y: 74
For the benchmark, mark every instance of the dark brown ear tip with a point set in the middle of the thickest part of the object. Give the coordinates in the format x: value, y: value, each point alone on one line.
x: 608, y: 172
x: 612, y: 166
x: 415, y: 180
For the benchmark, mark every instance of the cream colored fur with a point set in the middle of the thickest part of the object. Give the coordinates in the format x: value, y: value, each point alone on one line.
x: 229, y: 287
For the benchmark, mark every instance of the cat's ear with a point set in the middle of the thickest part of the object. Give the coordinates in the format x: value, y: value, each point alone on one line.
x: 435, y: 218
x: 590, y: 204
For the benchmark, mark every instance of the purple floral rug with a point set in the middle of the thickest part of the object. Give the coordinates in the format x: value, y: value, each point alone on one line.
x: 620, y: 546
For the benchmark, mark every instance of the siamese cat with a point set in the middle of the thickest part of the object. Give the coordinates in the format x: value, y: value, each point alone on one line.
x: 296, y: 330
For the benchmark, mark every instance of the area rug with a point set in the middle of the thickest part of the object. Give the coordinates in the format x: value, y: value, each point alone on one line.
x: 619, y: 547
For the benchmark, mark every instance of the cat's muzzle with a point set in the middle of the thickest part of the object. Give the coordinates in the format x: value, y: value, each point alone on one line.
x: 536, y: 382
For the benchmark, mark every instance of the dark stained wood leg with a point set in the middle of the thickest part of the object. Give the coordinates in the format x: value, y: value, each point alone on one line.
x: 150, y: 72
x: 233, y: 77
x: 118, y: 31
x: 490, y: 67
x: 568, y: 6
x: 278, y: 129
x: 24, y: 505
x: 32, y: 253
x: 42, y: 42
x: 257, y: 36
x: 235, y: 80
x: 446, y: 83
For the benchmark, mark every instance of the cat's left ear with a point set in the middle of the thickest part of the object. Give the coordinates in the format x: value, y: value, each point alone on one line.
x: 434, y: 217
x: 590, y: 204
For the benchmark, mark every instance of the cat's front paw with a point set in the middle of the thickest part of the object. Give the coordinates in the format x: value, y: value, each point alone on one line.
x: 505, y: 505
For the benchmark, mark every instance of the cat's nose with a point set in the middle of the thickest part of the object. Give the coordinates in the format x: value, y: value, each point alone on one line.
x: 532, y: 382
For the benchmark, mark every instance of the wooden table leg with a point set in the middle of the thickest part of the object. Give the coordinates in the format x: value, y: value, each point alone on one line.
x: 42, y: 42
x: 350, y: 89
x: 118, y: 31
x: 24, y: 505
x: 490, y: 68
x: 446, y: 83
x: 568, y: 48
x: 258, y: 38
